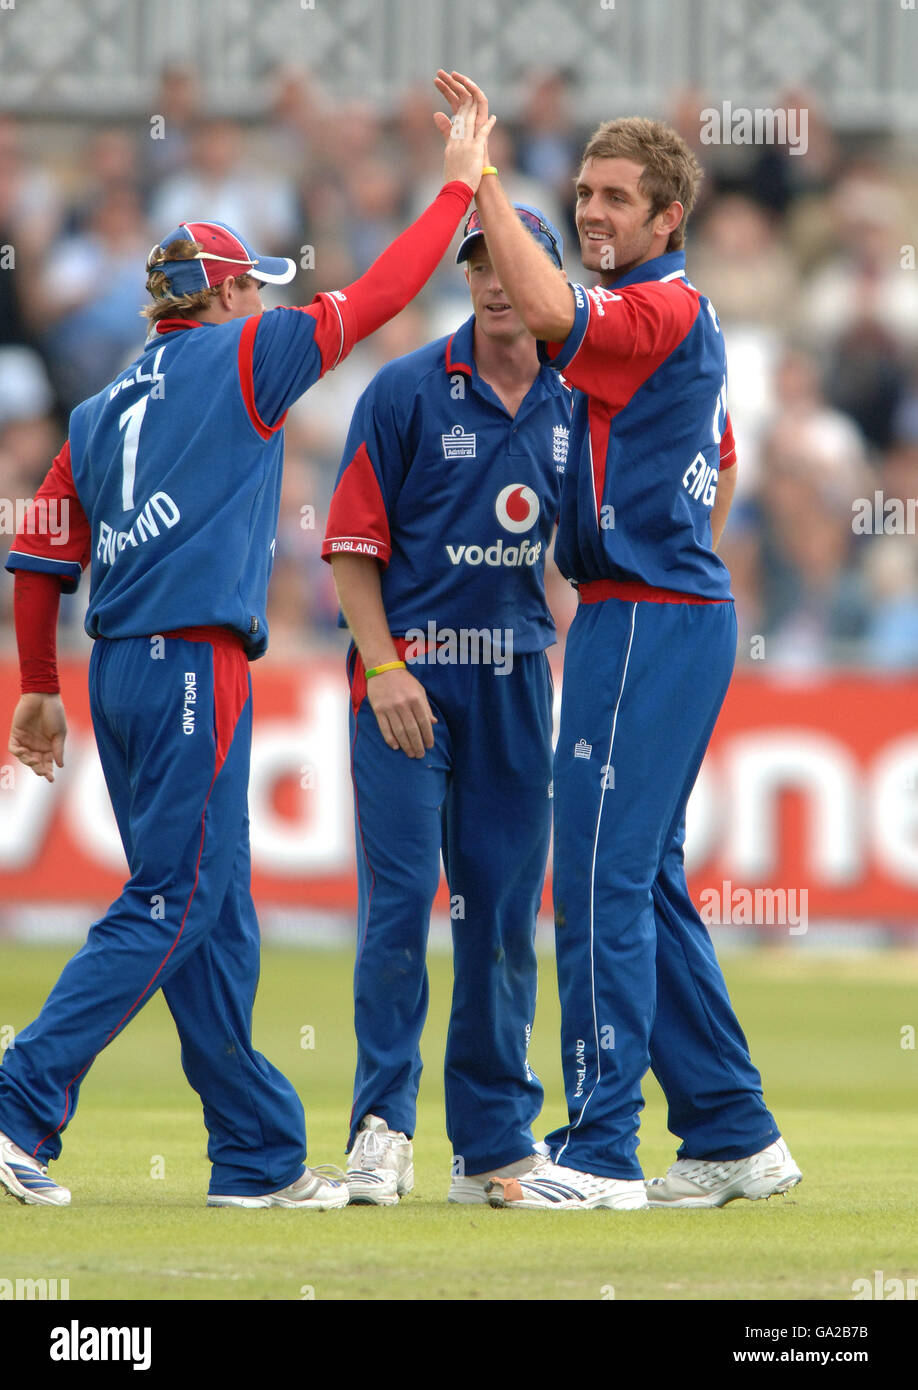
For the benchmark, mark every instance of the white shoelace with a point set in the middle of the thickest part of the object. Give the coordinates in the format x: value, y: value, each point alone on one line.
x: 329, y: 1170
x: 371, y: 1148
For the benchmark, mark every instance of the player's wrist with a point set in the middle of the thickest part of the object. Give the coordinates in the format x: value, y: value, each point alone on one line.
x: 384, y: 666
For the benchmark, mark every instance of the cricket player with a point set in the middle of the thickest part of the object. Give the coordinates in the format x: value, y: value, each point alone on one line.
x: 172, y: 479
x: 443, y: 511
x: 647, y: 665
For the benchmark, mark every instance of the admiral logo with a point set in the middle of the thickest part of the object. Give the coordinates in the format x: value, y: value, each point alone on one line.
x: 457, y: 444
x: 582, y: 749
x: 517, y: 508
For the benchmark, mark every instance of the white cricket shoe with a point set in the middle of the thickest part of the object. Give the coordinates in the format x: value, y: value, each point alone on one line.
x: 473, y: 1191
x: 380, y: 1166
x: 696, y: 1182
x: 547, y: 1186
x: 313, y: 1191
x: 27, y: 1180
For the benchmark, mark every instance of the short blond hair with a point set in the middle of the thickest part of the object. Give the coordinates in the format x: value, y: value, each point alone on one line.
x: 179, y: 306
x: 671, y: 174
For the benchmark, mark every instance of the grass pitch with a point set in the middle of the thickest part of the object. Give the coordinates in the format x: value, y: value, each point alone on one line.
x: 827, y: 1035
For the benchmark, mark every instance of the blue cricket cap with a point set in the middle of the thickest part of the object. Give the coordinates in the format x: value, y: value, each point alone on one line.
x: 532, y: 218
x: 225, y: 253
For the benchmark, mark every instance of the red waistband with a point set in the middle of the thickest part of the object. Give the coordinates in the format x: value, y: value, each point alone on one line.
x: 219, y: 636
x: 635, y: 592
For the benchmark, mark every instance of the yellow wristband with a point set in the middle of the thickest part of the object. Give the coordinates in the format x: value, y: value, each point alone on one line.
x: 386, y: 666
x: 488, y: 169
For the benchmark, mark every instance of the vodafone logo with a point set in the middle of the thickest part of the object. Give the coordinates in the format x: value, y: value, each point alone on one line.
x: 517, y: 508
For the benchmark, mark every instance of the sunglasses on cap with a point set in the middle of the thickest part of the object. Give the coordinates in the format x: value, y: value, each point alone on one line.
x: 528, y: 219
x: 199, y: 256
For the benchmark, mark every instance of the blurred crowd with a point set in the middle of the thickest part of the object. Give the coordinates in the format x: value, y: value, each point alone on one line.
x: 807, y: 257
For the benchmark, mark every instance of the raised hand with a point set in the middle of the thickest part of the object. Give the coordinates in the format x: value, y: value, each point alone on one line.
x: 466, y: 133
x: 458, y: 90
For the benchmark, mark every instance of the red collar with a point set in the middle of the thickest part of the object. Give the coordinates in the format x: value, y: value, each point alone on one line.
x: 170, y: 325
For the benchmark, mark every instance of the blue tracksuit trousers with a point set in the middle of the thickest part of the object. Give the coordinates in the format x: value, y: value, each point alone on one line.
x: 640, y: 984
x: 172, y: 719
x: 481, y: 794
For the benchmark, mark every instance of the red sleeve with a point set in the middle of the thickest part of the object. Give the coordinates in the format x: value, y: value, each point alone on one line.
x: 357, y: 520
x: 36, y: 599
x: 620, y: 338
x: 283, y: 352
x: 404, y: 268
x: 727, y: 446
x: 54, y: 535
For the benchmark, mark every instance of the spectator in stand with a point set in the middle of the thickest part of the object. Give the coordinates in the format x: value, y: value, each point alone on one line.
x: 291, y: 135
x: 30, y: 210
x: 813, y: 601
x: 90, y: 297
x: 744, y: 265
x: 28, y: 438
x: 781, y: 174
x: 178, y: 102
x: 223, y: 177
x: 860, y: 311
x: 110, y: 161
x: 374, y: 198
x: 891, y: 572
x: 547, y: 141
x: 415, y: 135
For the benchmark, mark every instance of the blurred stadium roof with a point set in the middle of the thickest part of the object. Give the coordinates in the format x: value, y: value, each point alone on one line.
x: 101, y: 58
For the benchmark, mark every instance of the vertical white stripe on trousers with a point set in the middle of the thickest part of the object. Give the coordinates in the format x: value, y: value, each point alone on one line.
x: 593, y: 888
